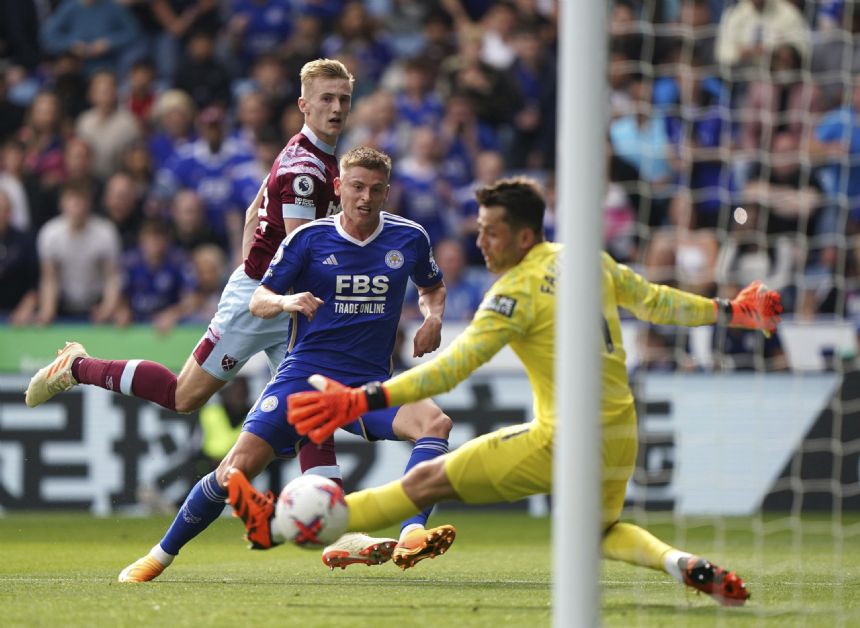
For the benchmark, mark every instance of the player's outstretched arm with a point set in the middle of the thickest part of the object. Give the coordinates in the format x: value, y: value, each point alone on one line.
x: 319, y: 414
x: 755, y: 307
x: 267, y: 304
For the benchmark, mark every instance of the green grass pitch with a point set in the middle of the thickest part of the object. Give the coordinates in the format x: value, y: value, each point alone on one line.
x: 60, y: 570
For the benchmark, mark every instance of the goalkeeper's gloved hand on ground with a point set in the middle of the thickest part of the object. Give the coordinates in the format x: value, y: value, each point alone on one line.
x: 755, y: 307
x: 319, y: 413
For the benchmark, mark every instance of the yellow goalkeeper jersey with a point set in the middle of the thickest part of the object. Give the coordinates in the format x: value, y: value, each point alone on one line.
x: 519, y: 309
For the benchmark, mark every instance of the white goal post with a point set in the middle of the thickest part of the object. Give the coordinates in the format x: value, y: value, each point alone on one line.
x: 582, y: 102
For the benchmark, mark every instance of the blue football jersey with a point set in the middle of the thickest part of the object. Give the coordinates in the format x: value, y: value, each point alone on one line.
x: 362, y: 284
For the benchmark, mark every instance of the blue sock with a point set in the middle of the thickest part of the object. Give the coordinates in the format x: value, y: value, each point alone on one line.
x: 425, y: 448
x: 202, y: 506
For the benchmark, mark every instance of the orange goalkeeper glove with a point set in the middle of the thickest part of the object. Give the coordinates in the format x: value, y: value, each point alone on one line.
x: 755, y: 307
x: 319, y: 413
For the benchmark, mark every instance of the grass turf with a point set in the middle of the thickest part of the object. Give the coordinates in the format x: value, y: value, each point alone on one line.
x: 60, y: 570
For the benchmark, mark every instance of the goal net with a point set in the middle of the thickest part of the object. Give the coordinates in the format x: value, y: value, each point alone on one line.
x: 734, y: 141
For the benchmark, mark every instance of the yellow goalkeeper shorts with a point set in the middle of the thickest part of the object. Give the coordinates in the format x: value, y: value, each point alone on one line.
x: 515, y: 462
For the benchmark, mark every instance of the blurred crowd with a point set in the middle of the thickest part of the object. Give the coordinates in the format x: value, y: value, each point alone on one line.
x: 733, y: 155
x: 134, y: 133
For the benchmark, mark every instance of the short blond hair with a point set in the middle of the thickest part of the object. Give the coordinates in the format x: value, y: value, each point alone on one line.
x: 366, y: 157
x: 324, y: 68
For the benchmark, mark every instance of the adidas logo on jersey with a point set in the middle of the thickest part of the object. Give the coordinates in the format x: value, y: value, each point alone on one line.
x: 331, y: 260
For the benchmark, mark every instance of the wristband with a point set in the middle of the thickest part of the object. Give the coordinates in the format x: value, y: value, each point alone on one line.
x: 725, y: 313
x: 375, y: 395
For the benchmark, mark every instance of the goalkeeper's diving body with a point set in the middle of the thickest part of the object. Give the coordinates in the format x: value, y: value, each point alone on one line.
x: 516, y: 461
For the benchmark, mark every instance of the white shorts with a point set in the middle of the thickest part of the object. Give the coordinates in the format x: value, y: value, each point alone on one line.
x: 234, y: 334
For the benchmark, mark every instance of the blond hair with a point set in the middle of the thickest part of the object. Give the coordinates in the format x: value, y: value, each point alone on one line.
x: 366, y: 157
x: 324, y: 68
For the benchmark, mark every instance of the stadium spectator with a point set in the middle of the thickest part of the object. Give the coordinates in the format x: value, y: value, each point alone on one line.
x: 836, y: 146
x: 534, y: 118
x: 121, y: 204
x: 257, y: 27
x: 210, y: 277
x: 70, y: 84
x: 467, y: 74
x: 96, y: 31
x: 700, y: 138
x: 785, y: 102
x: 19, y: 37
x: 416, y: 103
x: 268, y: 78
x: 12, y: 184
x: 107, y: 127
x: 43, y: 140
x: 11, y: 114
x: 19, y: 264
x: 155, y: 278
x: 836, y: 57
x: 141, y: 92
x: 254, y: 119
x: 201, y: 74
x: 749, y: 254
x: 498, y: 25
x: 79, y: 262
x: 136, y: 162
x: 463, y: 137
x: 191, y: 229
x: 304, y: 45
x: 750, y: 29
x: 785, y: 190
x: 178, y: 19
x: 641, y: 140
x: 209, y: 166
x: 418, y: 190
x: 375, y: 123
x: 173, y: 114
x: 356, y: 34
x: 77, y: 169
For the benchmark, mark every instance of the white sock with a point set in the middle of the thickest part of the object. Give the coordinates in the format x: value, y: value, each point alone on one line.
x: 410, y: 528
x: 161, y: 556
x: 670, y: 563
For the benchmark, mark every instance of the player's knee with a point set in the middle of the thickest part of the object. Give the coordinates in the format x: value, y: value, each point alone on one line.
x: 438, y: 425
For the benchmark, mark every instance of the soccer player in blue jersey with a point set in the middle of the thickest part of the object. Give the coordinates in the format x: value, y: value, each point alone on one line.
x: 349, y: 273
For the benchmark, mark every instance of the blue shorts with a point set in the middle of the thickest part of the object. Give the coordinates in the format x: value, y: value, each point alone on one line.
x: 268, y: 418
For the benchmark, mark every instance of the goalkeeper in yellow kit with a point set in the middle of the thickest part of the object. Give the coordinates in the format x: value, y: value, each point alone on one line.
x: 514, y: 462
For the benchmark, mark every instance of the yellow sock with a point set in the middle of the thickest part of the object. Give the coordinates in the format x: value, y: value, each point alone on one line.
x: 375, y: 508
x: 635, y: 545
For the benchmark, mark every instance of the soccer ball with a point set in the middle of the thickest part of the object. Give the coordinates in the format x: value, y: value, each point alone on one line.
x: 311, y: 512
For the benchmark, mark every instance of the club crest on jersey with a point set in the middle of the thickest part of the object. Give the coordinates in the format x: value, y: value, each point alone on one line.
x: 394, y: 259
x: 500, y: 304
x: 228, y: 362
x: 269, y: 403
x: 303, y: 185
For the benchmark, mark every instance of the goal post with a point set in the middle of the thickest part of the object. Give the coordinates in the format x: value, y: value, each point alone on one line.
x: 580, y: 183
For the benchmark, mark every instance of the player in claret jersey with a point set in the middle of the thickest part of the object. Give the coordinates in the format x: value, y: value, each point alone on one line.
x: 298, y: 189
